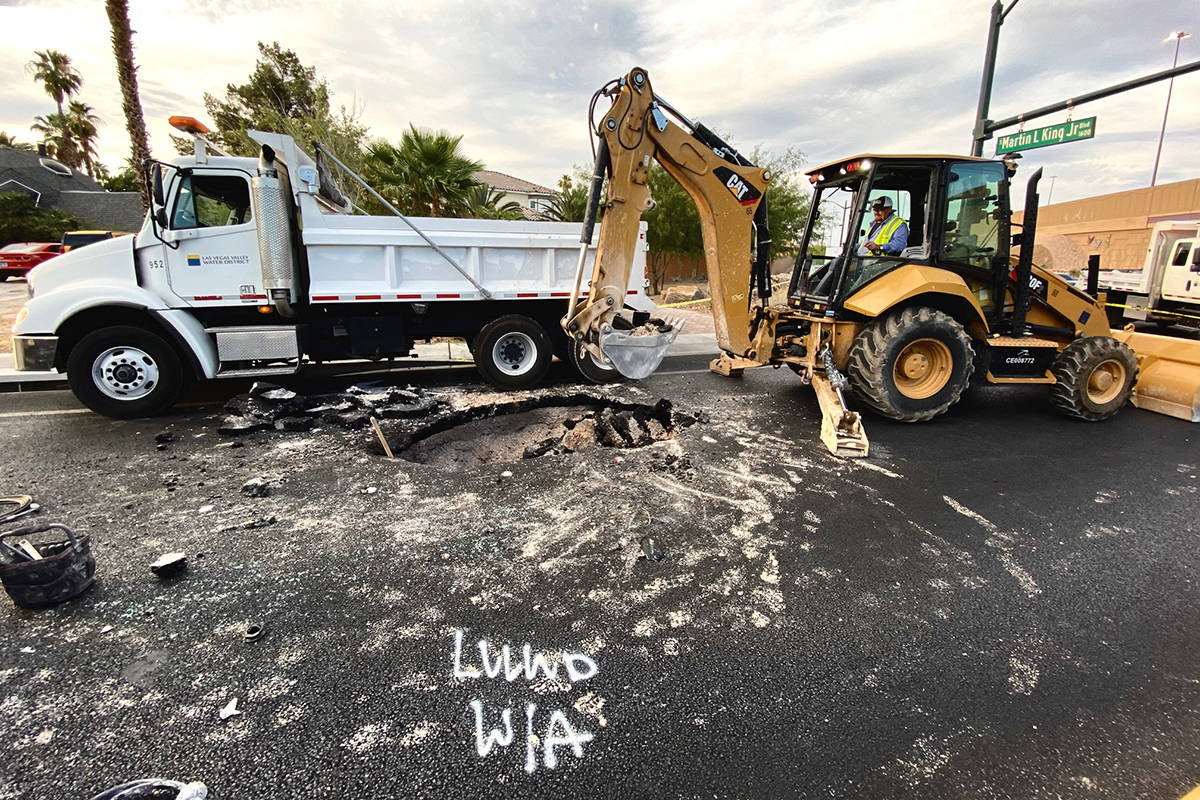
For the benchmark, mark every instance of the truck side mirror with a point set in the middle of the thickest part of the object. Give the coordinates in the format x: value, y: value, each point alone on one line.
x: 160, y: 215
x: 160, y: 199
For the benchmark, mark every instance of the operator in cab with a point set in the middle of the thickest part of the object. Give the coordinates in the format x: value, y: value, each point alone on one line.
x: 888, y: 235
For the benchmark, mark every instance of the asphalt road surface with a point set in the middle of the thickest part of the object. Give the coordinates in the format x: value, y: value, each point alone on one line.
x: 1001, y: 603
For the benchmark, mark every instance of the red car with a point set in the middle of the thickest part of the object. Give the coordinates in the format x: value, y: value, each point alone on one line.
x: 19, y: 257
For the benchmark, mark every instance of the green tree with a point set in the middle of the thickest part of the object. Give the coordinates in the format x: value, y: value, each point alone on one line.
x: 56, y: 132
x: 128, y: 179
x: 282, y: 95
x: 81, y: 124
x: 53, y: 70
x: 425, y: 175
x: 484, y: 202
x: 570, y: 204
x: 21, y: 221
x: 788, y: 199
x: 135, y: 120
x: 672, y: 225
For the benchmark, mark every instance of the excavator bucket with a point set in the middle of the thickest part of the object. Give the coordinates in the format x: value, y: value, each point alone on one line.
x: 637, y: 353
x: 1168, y: 374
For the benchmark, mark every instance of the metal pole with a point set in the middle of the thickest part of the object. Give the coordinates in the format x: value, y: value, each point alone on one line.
x: 979, y: 134
x: 1136, y: 83
x: 1170, y: 87
x: 1050, y: 193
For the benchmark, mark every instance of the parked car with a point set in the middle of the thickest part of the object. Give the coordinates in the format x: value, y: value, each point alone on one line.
x: 72, y: 239
x: 19, y: 257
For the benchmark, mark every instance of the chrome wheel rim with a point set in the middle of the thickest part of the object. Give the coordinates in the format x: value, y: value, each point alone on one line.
x: 514, y: 353
x: 125, y: 373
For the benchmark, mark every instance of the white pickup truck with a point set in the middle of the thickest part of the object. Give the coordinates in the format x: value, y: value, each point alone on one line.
x: 249, y: 267
x: 1166, y: 289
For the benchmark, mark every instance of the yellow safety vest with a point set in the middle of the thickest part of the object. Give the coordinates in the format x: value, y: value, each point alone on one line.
x: 884, y: 235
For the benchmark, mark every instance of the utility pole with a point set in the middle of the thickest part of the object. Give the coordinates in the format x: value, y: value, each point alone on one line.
x: 980, y: 134
x: 1178, y: 36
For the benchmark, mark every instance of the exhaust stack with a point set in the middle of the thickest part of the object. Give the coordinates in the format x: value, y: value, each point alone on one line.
x: 271, y: 214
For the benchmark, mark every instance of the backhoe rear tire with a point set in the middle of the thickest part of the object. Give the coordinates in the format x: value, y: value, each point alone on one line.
x: 912, y: 364
x: 1095, y: 378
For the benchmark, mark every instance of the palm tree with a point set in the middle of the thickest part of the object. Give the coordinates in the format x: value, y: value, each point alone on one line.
x: 426, y: 174
x: 135, y: 122
x: 53, y: 69
x: 570, y: 204
x: 56, y: 132
x: 11, y: 141
x: 82, y: 125
x: 483, y: 202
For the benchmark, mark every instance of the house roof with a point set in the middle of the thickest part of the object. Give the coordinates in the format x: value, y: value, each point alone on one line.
x: 507, y: 183
x: 25, y: 171
x: 107, y: 211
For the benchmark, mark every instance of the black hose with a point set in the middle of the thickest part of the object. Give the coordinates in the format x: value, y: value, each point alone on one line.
x: 599, y: 172
x: 762, y: 256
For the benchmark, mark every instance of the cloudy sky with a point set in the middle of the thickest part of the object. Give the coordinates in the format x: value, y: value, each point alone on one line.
x: 829, y: 77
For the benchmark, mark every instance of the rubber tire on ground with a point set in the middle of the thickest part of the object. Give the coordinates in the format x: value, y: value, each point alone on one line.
x: 494, y: 372
x: 161, y: 397
x: 876, y: 349
x: 1073, y: 371
x: 587, y: 366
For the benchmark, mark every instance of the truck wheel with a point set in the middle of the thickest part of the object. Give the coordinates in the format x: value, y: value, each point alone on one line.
x: 512, y: 352
x: 592, y: 369
x: 125, y: 372
x: 1094, y: 377
x: 911, y: 365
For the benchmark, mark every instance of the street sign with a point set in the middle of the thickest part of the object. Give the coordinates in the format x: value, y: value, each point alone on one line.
x: 1044, y: 137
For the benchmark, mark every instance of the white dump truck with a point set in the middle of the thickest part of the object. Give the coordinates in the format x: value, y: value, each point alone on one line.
x: 248, y: 267
x: 1166, y: 289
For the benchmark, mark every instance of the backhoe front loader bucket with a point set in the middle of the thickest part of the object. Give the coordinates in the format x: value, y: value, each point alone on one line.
x: 1168, y: 374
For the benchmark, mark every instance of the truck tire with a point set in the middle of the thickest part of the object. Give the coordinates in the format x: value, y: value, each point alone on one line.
x: 912, y: 364
x: 1095, y: 378
x: 512, y: 352
x: 591, y: 369
x: 125, y: 372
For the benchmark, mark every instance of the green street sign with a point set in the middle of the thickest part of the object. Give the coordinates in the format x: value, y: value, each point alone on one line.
x: 1044, y: 137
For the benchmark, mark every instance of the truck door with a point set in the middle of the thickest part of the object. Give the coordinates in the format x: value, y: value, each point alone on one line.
x: 1181, y: 278
x: 216, y: 261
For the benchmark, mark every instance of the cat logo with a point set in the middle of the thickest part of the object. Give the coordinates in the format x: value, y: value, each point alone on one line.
x: 746, y: 194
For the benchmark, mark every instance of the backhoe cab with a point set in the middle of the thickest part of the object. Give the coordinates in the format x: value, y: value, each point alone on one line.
x: 905, y: 331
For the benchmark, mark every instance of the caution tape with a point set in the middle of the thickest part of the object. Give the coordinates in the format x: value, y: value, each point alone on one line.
x: 709, y: 299
x: 1157, y: 311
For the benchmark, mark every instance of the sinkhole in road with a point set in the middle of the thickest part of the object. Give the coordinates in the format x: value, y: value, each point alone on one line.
x: 543, y: 426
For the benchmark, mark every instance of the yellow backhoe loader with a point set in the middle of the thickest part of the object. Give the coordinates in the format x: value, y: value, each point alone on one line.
x: 905, y: 330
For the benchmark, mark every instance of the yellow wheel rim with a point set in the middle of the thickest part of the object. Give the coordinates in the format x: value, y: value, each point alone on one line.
x: 923, y: 368
x: 1106, y: 381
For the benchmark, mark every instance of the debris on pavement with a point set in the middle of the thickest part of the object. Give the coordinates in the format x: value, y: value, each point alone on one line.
x: 253, y: 632
x: 652, y: 549
x: 259, y: 522
x: 168, y: 565
x: 256, y: 487
x: 155, y: 788
x: 382, y: 439
x: 230, y: 709
x: 62, y: 569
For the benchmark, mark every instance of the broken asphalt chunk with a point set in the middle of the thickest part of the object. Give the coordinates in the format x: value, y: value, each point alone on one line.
x: 294, y: 424
x: 652, y: 549
x: 169, y: 565
x: 260, y: 522
x: 256, y: 487
x: 235, y: 425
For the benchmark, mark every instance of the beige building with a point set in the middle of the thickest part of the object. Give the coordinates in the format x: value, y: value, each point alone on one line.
x: 1115, y: 226
x: 533, y: 199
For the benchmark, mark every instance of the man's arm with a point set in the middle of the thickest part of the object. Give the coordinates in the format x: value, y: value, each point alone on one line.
x: 898, y: 242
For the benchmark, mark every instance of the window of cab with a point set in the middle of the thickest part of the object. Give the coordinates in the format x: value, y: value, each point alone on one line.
x: 211, y: 201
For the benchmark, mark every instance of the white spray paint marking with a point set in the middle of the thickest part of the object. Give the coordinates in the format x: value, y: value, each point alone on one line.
x: 542, y: 673
x: 999, y: 541
x: 876, y: 468
x: 770, y: 572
